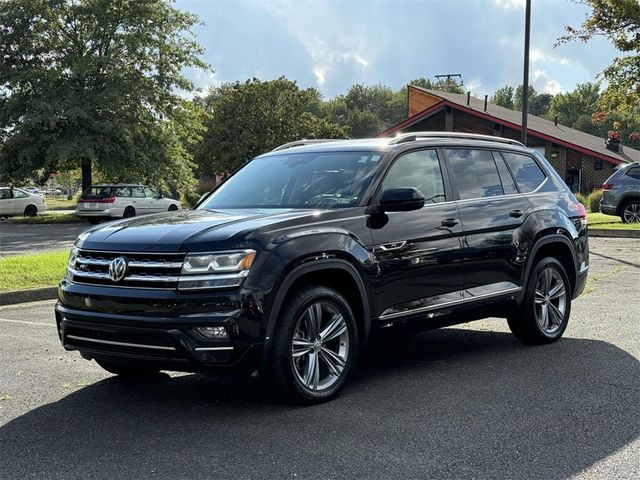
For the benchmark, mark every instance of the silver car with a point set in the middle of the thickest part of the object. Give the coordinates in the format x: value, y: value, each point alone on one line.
x: 621, y: 193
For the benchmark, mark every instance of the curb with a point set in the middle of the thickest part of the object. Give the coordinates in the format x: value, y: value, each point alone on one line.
x: 602, y: 232
x: 24, y: 296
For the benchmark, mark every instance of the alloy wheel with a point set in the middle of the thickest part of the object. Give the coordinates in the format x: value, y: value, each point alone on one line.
x: 550, y: 300
x: 631, y: 213
x: 320, y: 346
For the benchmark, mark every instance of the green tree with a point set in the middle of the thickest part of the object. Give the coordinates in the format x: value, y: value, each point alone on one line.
x: 575, y: 107
x: 97, y: 82
x: 248, y: 118
x: 619, y: 21
x: 503, y: 97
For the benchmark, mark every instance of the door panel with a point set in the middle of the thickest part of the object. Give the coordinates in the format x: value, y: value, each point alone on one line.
x: 417, y: 253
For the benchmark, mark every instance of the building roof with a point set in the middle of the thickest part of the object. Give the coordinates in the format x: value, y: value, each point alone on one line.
x: 537, y: 126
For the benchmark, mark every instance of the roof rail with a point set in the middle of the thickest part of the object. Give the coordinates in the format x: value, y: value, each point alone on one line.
x: 303, y: 142
x: 413, y: 136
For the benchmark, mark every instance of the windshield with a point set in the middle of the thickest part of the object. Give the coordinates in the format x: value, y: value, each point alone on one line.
x: 298, y: 180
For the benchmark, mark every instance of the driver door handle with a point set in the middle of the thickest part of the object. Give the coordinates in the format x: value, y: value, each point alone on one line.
x: 516, y: 213
x: 450, y: 222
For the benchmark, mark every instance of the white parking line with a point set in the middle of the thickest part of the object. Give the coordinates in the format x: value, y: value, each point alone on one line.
x: 28, y: 323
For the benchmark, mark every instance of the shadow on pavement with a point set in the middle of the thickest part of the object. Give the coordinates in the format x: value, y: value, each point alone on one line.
x: 450, y: 403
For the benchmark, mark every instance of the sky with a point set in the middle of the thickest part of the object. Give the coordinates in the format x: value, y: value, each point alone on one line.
x: 332, y: 45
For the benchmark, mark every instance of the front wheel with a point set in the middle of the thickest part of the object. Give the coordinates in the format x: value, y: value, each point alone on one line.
x: 315, y: 345
x: 543, y: 315
x: 631, y: 212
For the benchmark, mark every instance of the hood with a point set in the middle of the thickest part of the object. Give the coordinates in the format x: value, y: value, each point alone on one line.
x: 193, y: 230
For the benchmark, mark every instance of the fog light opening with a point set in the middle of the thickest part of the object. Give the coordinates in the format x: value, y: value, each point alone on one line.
x: 212, y: 332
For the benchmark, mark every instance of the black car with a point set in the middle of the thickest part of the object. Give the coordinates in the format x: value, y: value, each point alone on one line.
x: 289, y: 265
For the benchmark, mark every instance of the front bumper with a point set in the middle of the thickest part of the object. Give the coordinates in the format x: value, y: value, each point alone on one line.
x: 156, y: 329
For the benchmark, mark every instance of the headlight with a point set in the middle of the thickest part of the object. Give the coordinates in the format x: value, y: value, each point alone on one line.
x: 215, y: 270
x: 71, y: 263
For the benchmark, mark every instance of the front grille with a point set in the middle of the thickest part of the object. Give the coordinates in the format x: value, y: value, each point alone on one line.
x: 138, y: 343
x: 144, y: 270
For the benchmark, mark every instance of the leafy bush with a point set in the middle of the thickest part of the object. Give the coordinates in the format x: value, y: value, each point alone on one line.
x: 582, y: 199
x: 594, y: 200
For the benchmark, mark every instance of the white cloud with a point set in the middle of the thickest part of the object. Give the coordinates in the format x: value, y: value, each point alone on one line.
x: 509, y: 4
x: 473, y: 85
x: 552, y: 87
x: 332, y: 42
x: 538, y: 55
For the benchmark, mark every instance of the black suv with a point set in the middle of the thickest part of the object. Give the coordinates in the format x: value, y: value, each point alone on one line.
x: 287, y: 266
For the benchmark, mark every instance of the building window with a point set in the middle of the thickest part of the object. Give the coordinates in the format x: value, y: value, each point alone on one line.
x: 597, y: 165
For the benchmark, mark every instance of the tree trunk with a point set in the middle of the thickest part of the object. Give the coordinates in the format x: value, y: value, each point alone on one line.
x: 86, y: 173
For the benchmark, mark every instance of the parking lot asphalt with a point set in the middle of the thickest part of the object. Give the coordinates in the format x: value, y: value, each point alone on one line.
x: 33, y: 238
x: 462, y: 402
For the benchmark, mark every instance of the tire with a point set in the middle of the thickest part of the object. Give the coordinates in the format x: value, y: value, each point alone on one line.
x: 94, y: 220
x: 173, y: 208
x: 129, y: 212
x: 30, y: 211
x: 293, y: 372
x: 127, y: 371
x: 548, y: 290
x: 630, y: 211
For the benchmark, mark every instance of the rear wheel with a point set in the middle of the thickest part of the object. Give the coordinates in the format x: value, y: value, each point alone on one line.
x: 543, y: 315
x: 93, y: 220
x: 173, y: 208
x: 631, y: 212
x: 30, y: 211
x: 129, y: 212
x: 315, y: 345
x: 126, y: 370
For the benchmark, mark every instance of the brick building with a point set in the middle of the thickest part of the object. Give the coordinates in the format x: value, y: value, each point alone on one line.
x: 583, y: 160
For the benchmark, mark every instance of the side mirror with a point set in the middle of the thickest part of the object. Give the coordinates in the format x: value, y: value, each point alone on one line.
x: 401, y: 200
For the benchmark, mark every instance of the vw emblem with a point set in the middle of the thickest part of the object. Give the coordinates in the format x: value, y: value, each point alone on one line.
x: 118, y: 269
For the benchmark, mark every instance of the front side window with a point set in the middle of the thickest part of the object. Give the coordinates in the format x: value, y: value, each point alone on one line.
x: 149, y: 193
x: 475, y: 172
x: 419, y: 170
x: 5, y: 194
x: 298, y: 180
x: 525, y: 170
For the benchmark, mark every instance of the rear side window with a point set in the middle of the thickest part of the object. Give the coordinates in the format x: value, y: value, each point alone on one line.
x: 419, y: 170
x: 633, y: 172
x: 508, y: 185
x: 475, y: 173
x: 525, y: 170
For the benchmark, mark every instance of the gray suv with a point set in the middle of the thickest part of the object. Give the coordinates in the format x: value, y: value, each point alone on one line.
x: 621, y: 193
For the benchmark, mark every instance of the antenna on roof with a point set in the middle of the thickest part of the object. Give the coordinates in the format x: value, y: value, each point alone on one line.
x: 448, y: 83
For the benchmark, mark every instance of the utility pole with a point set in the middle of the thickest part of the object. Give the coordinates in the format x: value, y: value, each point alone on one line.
x: 525, y: 79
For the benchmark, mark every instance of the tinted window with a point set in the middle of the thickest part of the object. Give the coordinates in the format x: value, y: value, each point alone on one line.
x: 633, y: 172
x: 525, y: 170
x: 508, y: 185
x: 5, y: 194
x: 419, y: 170
x: 298, y: 180
x: 475, y: 172
x: 97, y: 192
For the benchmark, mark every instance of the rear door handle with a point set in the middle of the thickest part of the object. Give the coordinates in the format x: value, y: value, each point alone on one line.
x: 450, y: 222
x: 516, y: 213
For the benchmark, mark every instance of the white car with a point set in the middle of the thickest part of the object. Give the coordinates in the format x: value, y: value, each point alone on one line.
x: 16, y: 201
x: 122, y: 201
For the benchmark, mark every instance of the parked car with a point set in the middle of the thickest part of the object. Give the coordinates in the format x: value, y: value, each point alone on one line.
x: 621, y: 193
x: 17, y: 201
x: 53, y: 191
x: 33, y: 190
x: 102, y: 201
x: 287, y: 266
